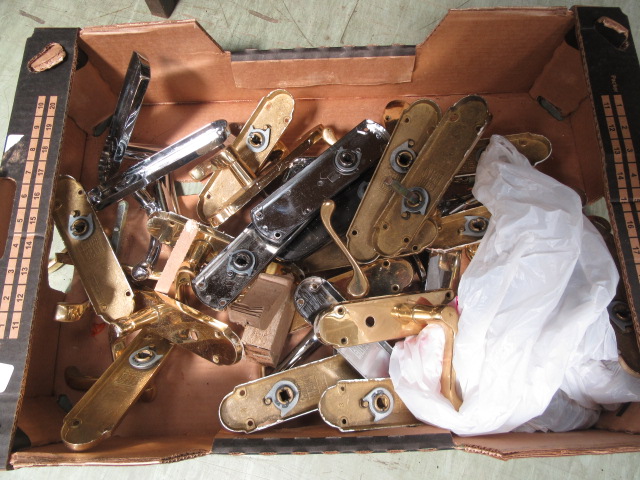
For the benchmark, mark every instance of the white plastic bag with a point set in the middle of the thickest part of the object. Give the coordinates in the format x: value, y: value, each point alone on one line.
x: 533, y: 313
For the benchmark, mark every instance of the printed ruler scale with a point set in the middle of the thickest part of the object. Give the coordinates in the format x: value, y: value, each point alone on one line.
x: 626, y: 168
x: 613, y: 75
x: 22, y: 237
x: 29, y: 162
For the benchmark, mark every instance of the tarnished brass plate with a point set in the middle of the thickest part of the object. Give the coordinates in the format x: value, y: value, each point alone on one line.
x: 537, y: 149
x: 460, y: 229
x: 373, y: 319
x: 401, y: 221
x: 102, y: 276
x: 94, y: 418
x: 409, y: 137
x: 364, y: 404
x: 248, y: 409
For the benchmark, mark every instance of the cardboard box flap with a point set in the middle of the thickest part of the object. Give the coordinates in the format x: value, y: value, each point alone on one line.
x: 41, y: 420
x: 87, y: 84
x: 117, y: 451
x: 7, y: 198
x: 524, y: 445
x: 185, y: 60
x: 307, y: 67
x: 471, y: 50
x: 562, y: 87
x: 625, y: 419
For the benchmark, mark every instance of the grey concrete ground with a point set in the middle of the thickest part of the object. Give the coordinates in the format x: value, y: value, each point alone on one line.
x: 286, y: 24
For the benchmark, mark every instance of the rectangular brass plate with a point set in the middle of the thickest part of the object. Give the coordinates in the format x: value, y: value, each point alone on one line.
x: 98, y: 413
x: 245, y: 409
x: 343, y: 406
x: 246, y: 193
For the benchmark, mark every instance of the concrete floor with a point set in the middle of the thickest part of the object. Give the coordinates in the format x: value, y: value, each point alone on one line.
x: 279, y: 24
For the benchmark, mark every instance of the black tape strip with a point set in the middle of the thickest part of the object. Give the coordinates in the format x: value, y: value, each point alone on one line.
x: 342, y: 444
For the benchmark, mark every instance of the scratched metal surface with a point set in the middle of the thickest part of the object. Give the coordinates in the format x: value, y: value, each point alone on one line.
x: 287, y: 24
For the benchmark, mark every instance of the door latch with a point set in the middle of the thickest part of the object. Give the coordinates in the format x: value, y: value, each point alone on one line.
x: 199, y: 143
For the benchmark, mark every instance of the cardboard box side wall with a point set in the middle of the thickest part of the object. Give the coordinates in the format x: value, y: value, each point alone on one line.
x: 613, y: 75
x: 215, y: 87
x: 30, y: 159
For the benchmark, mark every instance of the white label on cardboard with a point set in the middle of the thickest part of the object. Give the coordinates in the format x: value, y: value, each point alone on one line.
x: 6, y: 371
x: 11, y: 141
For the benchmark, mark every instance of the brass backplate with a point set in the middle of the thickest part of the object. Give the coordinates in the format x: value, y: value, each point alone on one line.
x: 192, y: 330
x: 460, y: 229
x: 344, y: 406
x: 387, y: 276
x: 98, y: 413
x: 409, y: 137
x: 78, y: 381
x: 102, y: 276
x: 249, y: 408
x: 372, y: 319
x: 236, y: 166
x: 392, y: 113
x: 429, y: 176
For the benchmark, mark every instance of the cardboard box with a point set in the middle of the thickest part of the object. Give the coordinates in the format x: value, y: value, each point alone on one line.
x: 572, y: 61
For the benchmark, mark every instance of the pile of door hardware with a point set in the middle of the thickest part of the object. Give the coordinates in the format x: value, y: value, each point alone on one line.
x: 401, y: 196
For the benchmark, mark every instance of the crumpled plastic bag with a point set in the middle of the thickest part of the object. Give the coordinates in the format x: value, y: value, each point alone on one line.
x: 533, y: 315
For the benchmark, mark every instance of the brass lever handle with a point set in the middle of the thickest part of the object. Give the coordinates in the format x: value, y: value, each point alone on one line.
x: 359, y: 285
x: 448, y: 320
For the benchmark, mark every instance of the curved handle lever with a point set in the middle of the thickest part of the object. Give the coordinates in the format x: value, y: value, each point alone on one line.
x: 359, y: 285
